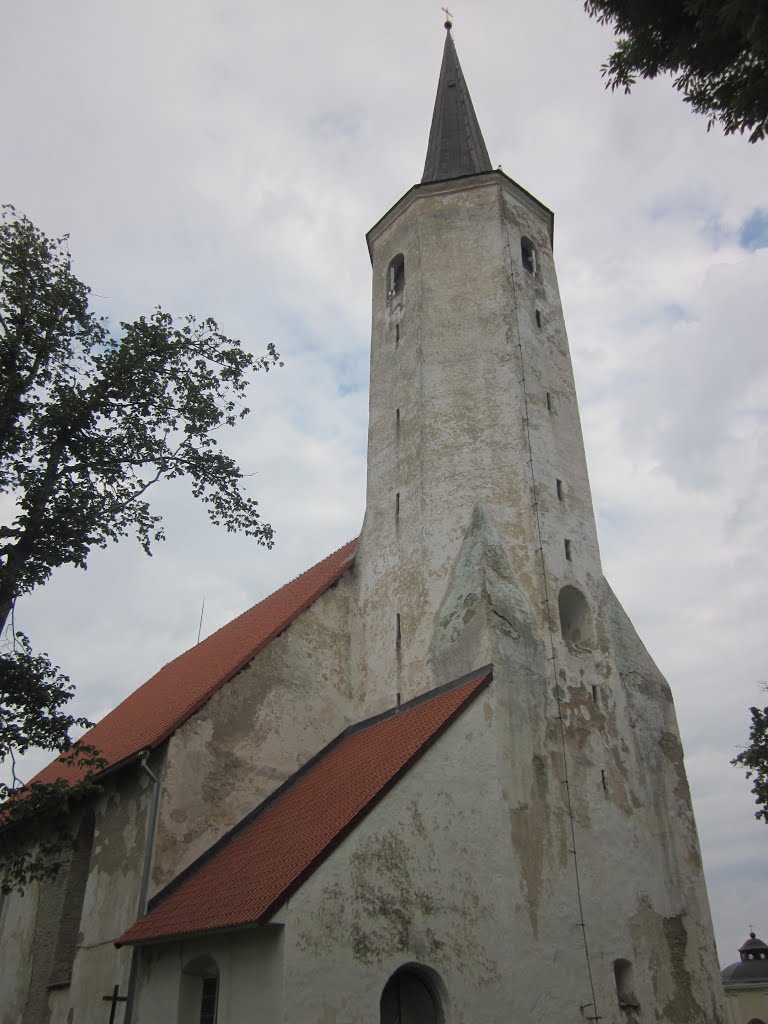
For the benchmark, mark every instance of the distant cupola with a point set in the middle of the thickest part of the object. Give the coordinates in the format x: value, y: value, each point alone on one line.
x: 753, y: 949
x: 456, y: 147
x: 752, y: 967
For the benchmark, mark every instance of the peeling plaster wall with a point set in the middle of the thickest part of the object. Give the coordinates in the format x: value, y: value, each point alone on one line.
x: 438, y: 874
x: 17, y: 929
x: 291, y: 700
x: 111, y: 897
x: 427, y: 876
x: 31, y: 924
x: 459, y: 870
x: 642, y: 887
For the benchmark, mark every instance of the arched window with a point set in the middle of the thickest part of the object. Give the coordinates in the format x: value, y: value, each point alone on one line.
x: 199, y: 995
x: 528, y: 254
x: 625, y: 986
x: 575, y: 617
x: 410, y: 997
x: 396, y: 277
x: 72, y: 905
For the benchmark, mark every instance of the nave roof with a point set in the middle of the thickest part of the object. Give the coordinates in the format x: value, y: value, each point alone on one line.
x: 157, y: 708
x: 246, y: 876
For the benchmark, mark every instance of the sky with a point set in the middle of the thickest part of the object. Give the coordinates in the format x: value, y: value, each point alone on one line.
x: 226, y: 158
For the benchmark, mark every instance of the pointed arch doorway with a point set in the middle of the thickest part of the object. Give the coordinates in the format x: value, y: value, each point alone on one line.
x: 408, y: 999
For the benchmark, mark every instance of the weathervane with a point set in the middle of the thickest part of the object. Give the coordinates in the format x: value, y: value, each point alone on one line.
x: 448, y: 17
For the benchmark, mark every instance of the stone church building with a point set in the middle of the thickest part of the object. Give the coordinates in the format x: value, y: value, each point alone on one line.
x: 437, y: 777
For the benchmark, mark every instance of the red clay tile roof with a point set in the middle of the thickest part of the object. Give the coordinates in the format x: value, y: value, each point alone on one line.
x: 251, y: 871
x: 165, y: 701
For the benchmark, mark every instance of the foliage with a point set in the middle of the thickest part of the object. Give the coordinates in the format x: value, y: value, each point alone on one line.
x: 89, y: 421
x: 717, y: 51
x: 36, y: 818
x: 754, y: 758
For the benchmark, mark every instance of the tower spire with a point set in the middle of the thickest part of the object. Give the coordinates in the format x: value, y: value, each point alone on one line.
x: 456, y: 144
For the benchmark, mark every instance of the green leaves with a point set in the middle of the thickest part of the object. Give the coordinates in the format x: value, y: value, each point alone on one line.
x: 717, y: 52
x: 89, y: 421
x: 755, y: 760
x: 35, y: 819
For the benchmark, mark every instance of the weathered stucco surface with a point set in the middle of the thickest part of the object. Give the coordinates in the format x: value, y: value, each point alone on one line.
x: 17, y: 930
x: 291, y: 700
x: 440, y: 875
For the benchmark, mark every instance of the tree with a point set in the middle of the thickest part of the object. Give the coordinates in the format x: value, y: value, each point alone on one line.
x: 90, y: 419
x: 754, y: 759
x: 717, y: 51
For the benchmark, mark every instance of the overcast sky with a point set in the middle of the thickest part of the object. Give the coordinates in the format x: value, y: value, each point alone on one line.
x: 226, y: 157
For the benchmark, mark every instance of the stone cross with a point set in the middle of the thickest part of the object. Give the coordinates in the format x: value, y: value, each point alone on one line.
x: 114, y: 999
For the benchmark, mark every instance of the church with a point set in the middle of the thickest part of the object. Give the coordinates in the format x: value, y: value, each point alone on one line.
x: 437, y: 777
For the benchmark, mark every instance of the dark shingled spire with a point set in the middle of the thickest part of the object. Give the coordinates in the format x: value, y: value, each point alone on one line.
x: 456, y: 144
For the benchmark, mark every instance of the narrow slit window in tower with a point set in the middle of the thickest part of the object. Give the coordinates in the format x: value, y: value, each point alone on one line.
x: 538, y: 318
x: 559, y: 485
x: 528, y: 254
x: 549, y: 402
x: 568, y: 550
x: 398, y: 634
x: 397, y: 505
x: 397, y: 422
x: 397, y: 334
x: 396, y: 277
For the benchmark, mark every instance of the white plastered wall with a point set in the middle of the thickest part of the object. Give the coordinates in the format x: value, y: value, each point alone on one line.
x: 250, y: 978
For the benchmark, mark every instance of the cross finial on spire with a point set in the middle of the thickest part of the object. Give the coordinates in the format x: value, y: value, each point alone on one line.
x: 456, y: 146
x: 448, y: 18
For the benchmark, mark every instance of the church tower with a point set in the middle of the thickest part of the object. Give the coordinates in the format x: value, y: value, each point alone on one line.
x: 474, y: 424
x: 479, y: 547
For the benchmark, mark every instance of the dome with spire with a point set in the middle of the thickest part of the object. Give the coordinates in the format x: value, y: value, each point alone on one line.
x: 752, y: 967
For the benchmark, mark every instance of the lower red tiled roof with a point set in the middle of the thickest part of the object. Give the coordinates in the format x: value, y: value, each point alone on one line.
x: 159, y: 707
x: 249, y: 873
